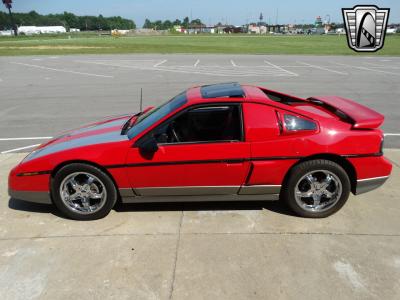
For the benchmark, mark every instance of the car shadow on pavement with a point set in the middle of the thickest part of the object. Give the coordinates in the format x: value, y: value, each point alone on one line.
x: 21, y: 205
x: 273, y: 206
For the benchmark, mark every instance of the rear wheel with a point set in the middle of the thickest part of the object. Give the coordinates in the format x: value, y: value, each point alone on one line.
x: 83, y: 192
x: 316, y: 188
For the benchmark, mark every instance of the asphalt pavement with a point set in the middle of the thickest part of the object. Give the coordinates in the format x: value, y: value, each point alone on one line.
x: 43, y: 95
x: 245, y: 250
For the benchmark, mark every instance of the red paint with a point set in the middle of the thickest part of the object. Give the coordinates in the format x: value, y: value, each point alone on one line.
x: 362, y: 116
x: 194, y: 173
x: 267, y: 151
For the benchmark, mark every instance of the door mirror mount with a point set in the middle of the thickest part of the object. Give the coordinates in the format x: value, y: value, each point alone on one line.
x: 147, y: 145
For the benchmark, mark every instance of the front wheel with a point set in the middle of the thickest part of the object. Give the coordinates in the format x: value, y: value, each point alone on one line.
x: 83, y: 192
x: 316, y: 188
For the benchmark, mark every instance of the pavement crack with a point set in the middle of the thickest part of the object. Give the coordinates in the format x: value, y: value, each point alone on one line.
x: 176, y: 256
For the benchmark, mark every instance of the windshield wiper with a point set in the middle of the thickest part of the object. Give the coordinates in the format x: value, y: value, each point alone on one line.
x: 128, y: 124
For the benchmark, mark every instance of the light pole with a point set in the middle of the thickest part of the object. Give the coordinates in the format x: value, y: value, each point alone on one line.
x: 8, y: 4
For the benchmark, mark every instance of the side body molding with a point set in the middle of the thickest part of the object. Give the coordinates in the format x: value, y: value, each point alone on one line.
x: 200, y: 193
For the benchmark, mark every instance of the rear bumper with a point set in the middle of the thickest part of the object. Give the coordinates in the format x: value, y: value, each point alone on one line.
x: 35, y: 197
x: 369, y: 184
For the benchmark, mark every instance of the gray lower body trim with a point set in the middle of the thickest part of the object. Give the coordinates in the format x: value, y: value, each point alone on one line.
x: 187, y: 191
x: 29, y: 196
x: 200, y: 193
x: 202, y: 198
x: 369, y: 184
x: 259, y: 189
x: 127, y: 192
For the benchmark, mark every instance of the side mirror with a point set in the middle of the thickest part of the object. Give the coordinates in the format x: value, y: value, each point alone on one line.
x: 147, y: 145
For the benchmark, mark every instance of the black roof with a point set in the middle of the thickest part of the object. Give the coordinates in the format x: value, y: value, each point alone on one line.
x: 232, y: 89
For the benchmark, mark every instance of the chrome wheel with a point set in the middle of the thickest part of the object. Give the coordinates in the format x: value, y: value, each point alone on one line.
x: 317, y: 191
x: 83, y: 193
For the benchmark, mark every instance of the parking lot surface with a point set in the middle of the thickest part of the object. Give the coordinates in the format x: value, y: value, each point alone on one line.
x: 42, y: 96
x: 246, y: 250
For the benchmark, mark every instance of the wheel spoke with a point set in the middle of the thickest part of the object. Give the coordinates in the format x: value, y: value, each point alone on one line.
x: 86, y: 204
x: 316, y: 200
x: 74, y: 184
x: 73, y: 196
x: 311, y: 179
x: 323, y: 190
x: 304, y: 194
x: 94, y: 195
x: 90, y: 180
x: 327, y: 181
x: 83, y: 192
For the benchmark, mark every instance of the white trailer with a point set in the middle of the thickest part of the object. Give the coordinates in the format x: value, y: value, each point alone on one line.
x: 29, y: 30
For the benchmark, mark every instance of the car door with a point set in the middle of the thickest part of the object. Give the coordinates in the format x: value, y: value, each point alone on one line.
x: 201, y: 151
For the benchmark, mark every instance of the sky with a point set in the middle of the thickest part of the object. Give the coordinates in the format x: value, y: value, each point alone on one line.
x: 209, y: 11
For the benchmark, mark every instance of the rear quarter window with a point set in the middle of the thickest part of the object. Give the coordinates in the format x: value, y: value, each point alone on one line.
x: 296, y: 123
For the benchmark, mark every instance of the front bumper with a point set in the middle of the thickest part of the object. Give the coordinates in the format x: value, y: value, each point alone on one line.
x: 369, y: 184
x: 29, y: 196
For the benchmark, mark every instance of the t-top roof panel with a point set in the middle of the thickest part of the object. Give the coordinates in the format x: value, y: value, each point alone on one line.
x: 231, y: 89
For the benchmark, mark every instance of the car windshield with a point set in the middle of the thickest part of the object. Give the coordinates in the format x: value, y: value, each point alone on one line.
x: 146, y: 120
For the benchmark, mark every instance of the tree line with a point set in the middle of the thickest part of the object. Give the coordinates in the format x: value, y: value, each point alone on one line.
x: 68, y: 20
x: 167, y: 24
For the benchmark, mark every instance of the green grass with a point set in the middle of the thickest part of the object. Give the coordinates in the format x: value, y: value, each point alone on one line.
x: 229, y: 44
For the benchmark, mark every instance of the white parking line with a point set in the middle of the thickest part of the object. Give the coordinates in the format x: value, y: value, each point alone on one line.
x: 391, y: 67
x: 233, y: 63
x: 21, y: 148
x: 280, y: 68
x: 374, y: 65
x: 196, y: 63
x: 62, y: 70
x: 26, y: 138
x: 368, y: 69
x: 392, y: 134
x: 205, y: 70
x: 160, y: 63
x: 379, y: 71
x: 322, y: 68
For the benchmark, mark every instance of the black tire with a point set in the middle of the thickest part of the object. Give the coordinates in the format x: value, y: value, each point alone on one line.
x: 298, y: 171
x: 111, y: 192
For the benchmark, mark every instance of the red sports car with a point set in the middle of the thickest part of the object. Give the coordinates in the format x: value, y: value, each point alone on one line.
x: 220, y: 142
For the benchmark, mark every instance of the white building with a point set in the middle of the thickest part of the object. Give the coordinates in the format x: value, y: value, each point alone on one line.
x: 120, y: 31
x: 6, y: 33
x: 391, y: 30
x: 29, y: 30
x: 255, y: 29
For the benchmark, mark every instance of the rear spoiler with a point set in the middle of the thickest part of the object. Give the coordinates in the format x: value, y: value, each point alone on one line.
x: 359, y: 115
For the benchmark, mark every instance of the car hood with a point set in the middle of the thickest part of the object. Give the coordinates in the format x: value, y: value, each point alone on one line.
x: 105, y: 131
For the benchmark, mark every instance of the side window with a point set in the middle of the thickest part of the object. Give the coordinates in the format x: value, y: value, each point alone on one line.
x: 294, y: 123
x: 202, y: 124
